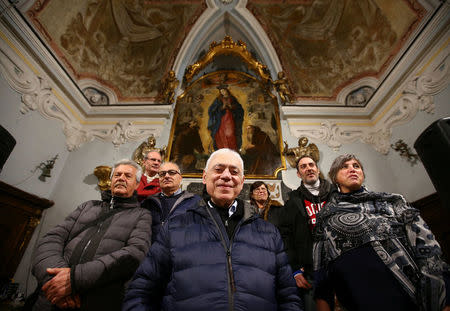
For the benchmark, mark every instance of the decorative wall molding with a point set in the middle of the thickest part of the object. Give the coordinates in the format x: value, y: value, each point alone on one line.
x: 416, y: 94
x: 32, y: 71
x: 39, y: 93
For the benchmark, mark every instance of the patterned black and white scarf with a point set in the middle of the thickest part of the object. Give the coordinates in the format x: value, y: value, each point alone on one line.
x: 396, y: 232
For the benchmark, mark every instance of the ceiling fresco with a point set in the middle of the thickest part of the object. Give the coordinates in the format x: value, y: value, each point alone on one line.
x: 126, y: 46
x: 341, y: 70
x: 327, y: 44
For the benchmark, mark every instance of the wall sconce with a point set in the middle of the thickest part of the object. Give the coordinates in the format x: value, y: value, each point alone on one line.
x: 46, y: 168
x: 405, y: 152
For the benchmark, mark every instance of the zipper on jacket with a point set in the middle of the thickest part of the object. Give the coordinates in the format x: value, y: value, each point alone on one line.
x: 230, y: 268
x: 231, y: 282
x: 89, y: 242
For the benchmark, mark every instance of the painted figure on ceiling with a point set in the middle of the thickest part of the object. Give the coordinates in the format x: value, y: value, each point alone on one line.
x: 225, y: 120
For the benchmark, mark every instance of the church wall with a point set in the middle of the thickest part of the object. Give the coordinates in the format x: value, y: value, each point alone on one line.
x: 390, y: 172
x: 37, y: 140
x: 73, y: 182
x: 75, y: 185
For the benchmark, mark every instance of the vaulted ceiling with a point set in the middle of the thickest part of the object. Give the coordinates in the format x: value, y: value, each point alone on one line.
x: 125, y: 48
x: 341, y: 58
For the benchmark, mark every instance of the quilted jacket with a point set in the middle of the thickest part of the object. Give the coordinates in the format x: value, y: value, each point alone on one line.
x: 121, y: 248
x: 193, y: 265
x: 154, y: 205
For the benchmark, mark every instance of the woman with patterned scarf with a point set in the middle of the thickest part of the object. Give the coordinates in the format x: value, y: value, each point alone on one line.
x: 374, y: 251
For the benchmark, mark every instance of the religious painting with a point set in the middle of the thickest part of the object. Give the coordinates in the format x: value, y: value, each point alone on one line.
x: 227, y: 109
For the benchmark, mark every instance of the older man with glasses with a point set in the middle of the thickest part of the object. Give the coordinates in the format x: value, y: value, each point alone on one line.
x: 172, y: 200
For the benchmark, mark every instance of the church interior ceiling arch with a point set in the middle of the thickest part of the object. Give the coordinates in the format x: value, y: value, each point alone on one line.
x: 341, y: 60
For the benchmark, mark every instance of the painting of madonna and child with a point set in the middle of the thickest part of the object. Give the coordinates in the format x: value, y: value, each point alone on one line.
x: 227, y: 109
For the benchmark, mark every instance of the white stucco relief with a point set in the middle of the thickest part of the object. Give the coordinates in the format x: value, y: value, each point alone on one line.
x: 415, y: 95
x: 38, y: 94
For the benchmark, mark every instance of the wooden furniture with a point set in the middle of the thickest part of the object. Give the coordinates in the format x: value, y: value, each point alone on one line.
x: 20, y: 213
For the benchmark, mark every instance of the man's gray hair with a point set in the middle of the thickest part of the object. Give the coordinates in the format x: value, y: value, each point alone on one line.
x: 338, y: 163
x: 131, y: 163
x: 225, y: 151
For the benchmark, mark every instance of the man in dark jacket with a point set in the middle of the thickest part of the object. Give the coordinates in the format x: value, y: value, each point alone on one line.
x: 300, y: 218
x: 218, y: 255
x: 85, y: 261
x: 172, y: 200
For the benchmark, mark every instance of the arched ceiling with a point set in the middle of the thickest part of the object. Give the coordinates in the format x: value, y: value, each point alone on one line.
x: 127, y: 47
x: 341, y: 58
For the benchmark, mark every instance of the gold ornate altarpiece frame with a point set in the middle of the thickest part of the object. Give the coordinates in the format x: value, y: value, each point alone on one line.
x: 191, y: 141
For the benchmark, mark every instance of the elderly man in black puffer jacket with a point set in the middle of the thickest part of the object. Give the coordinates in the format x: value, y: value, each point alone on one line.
x: 84, y: 262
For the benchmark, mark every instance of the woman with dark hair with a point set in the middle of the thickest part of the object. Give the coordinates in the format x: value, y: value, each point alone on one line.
x: 373, y: 250
x: 269, y: 210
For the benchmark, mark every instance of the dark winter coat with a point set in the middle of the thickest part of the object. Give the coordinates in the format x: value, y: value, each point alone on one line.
x: 154, y: 205
x: 193, y: 265
x: 295, y: 229
x: 98, y: 280
x: 273, y: 213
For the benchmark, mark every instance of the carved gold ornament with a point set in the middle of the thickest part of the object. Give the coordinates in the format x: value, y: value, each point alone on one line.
x: 103, y: 174
x: 144, y: 148
x: 294, y: 154
x: 169, y: 85
x: 228, y: 46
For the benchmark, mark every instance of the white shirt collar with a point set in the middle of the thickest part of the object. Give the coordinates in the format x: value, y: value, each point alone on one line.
x: 314, y: 189
x: 231, y: 210
x: 150, y: 178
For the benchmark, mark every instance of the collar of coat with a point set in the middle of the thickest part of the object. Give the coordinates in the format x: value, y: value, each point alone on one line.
x: 200, y: 208
x: 120, y: 201
x: 325, y: 188
x: 156, y: 199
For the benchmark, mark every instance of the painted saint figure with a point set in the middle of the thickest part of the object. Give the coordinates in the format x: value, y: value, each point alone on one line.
x: 225, y: 120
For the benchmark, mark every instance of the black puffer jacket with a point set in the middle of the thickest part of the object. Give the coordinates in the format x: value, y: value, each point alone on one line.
x: 295, y: 229
x: 123, y: 244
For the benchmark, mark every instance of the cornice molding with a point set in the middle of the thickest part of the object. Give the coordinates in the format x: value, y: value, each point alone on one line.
x: 39, y: 93
x: 415, y: 95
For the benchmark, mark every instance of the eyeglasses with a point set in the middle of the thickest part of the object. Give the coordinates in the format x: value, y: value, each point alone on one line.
x: 170, y: 172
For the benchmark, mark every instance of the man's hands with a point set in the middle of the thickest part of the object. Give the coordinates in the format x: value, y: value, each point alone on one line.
x: 301, y: 281
x: 72, y: 302
x: 58, y: 290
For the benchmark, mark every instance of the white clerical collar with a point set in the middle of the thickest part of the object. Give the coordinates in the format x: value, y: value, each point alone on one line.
x: 150, y: 178
x: 314, y: 189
